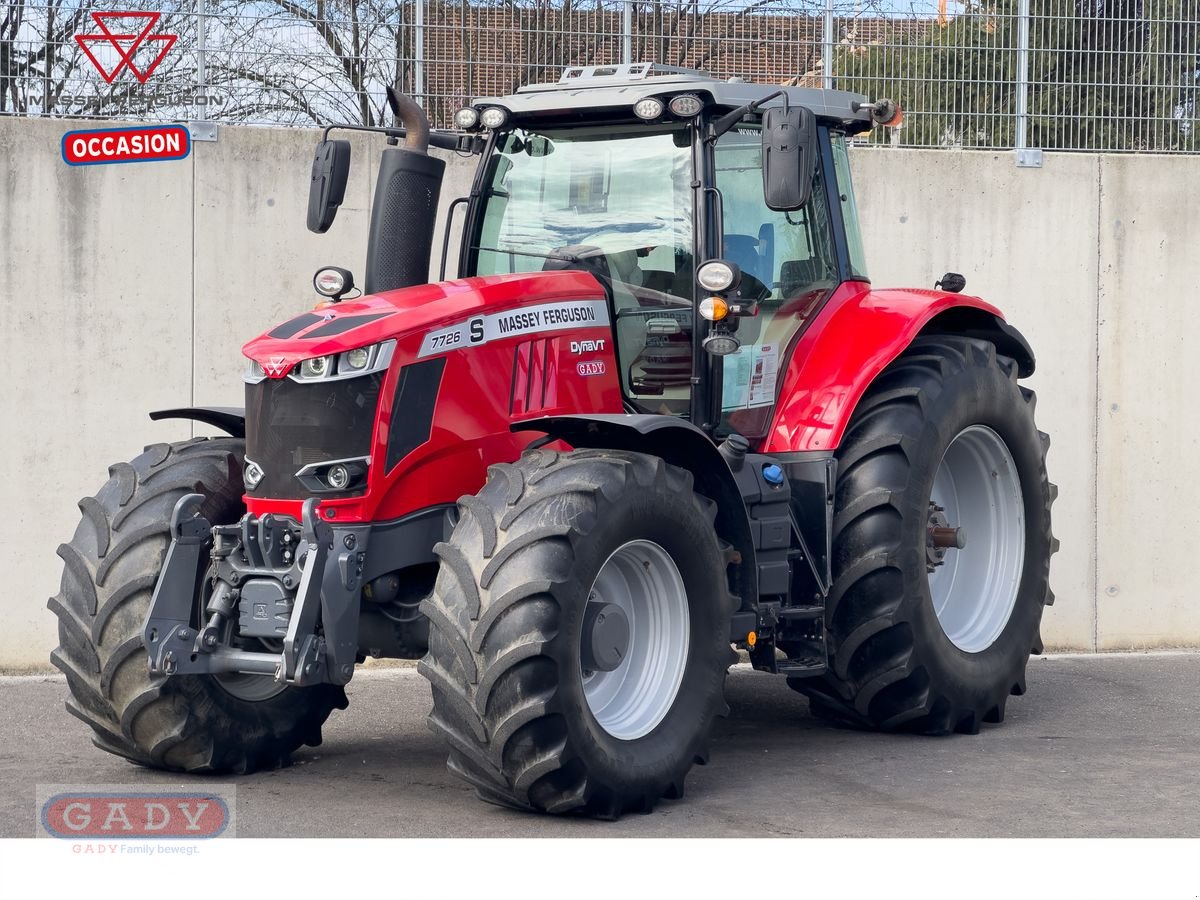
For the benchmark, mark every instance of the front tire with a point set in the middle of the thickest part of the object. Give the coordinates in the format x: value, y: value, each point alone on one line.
x: 579, y: 635
x: 925, y: 636
x: 189, y: 723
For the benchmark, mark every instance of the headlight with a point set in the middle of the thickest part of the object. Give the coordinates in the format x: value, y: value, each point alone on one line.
x: 356, y: 360
x: 254, y: 372
x: 350, y: 364
x: 648, y: 108
x: 466, y: 118
x: 316, y: 368
x: 494, y: 117
x: 717, y: 275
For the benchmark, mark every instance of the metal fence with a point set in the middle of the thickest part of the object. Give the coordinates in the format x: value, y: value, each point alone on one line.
x: 1113, y: 75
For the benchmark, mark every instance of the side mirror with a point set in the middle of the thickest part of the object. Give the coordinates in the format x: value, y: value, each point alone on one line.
x: 952, y: 283
x: 330, y: 172
x: 789, y: 148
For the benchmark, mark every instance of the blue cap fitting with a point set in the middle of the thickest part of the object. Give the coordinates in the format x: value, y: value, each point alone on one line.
x: 772, y: 474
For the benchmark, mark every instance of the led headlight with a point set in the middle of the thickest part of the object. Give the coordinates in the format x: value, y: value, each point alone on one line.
x: 466, y: 118
x: 318, y: 367
x: 494, y: 117
x: 648, y: 108
x: 717, y: 275
x: 686, y: 105
x: 350, y: 364
x: 355, y: 360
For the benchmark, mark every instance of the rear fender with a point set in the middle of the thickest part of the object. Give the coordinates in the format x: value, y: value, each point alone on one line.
x: 681, y: 444
x: 857, y: 334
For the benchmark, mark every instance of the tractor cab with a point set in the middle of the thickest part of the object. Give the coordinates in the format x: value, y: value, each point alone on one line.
x: 648, y: 177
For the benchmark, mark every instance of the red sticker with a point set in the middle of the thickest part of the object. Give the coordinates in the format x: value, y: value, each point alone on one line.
x: 591, y: 367
x: 147, y: 143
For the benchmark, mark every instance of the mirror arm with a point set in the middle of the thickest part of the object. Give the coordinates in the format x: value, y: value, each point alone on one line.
x: 727, y: 121
x: 459, y: 142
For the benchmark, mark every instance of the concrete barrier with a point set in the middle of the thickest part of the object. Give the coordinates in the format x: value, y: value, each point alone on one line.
x: 128, y: 288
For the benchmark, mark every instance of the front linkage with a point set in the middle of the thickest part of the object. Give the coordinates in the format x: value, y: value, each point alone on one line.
x: 274, y: 576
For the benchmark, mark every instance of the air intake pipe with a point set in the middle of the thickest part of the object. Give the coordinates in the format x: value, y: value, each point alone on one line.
x: 406, y: 200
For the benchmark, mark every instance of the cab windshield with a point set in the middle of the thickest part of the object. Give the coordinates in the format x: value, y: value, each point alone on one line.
x: 620, y: 201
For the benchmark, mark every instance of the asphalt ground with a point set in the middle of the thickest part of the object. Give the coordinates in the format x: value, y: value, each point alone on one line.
x: 1100, y: 746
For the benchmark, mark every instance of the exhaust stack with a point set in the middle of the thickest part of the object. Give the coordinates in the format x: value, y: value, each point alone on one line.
x: 404, y: 214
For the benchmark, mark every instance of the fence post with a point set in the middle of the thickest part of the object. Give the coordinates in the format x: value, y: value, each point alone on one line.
x: 827, y: 48
x: 201, y: 59
x: 419, y: 51
x: 627, y: 33
x: 1022, y: 75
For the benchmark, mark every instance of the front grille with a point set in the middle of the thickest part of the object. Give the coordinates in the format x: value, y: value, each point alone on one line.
x: 290, y: 425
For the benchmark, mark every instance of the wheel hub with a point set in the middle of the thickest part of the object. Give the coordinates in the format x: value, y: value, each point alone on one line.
x: 633, y: 644
x: 605, y: 637
x: 974, y: 589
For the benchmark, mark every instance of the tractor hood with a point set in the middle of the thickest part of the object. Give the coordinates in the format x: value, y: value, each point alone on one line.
x: 338, y: 327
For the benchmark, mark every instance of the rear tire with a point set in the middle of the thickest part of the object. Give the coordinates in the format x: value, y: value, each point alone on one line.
x: 548, y: 543
x: 188, y: 723
x: 895, y: 661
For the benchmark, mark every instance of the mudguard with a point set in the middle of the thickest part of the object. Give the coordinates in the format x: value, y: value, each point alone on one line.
x: 230, y: 419
x: 856, y: 335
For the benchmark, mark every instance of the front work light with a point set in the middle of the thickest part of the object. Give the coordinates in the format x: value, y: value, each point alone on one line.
x: 330, y: 281
x: 648, y: 108
x: 717, y: 275
x: 466, y: 118
x: 494, y: 117
x: 722, y: 344
x: 686, y: 106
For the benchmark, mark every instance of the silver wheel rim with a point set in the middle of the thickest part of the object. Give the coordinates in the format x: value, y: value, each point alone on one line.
x: 975, y: 588
x: 641, y: 578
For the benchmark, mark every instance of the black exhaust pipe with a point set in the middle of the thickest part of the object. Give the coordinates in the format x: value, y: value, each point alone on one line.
x: 406, y: 200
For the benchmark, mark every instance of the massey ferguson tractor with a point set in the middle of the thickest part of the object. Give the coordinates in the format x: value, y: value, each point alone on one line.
x: 660, y: 414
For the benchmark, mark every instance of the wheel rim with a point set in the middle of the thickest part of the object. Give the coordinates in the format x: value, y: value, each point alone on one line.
x: 643, y: 582
x: 977, y: 489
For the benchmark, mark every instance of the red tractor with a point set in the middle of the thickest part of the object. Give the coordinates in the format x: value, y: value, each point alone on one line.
x: 660, y: 414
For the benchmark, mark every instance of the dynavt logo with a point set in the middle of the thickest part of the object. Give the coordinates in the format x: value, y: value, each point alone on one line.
x: 126, y: 33
x: 148, y: 143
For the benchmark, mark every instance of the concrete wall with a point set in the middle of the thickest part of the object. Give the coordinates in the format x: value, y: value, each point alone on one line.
x: 128, y: 288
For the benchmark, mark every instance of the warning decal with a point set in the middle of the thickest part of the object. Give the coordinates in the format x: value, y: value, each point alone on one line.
x: 479, y: 330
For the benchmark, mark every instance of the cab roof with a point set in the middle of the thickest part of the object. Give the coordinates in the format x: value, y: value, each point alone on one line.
x: 620, y: 86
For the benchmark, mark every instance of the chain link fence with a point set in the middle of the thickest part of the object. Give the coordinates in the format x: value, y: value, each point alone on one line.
x: 1108, y: 75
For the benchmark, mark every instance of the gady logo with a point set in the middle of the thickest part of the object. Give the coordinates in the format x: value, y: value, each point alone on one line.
x: 126, y: 42
x: 89, y: 815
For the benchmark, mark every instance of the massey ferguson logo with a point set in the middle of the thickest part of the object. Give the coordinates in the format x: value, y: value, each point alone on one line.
x: 275, y: 366
x: 591, y: 367
x: 132, y: 32
x: 578, y: 347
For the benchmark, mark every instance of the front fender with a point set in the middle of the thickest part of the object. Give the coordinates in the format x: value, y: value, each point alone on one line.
x: 679, y: 443
x: 857, y: 334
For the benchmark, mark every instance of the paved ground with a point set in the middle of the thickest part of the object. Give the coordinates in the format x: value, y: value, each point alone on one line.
x: 1100, y: 746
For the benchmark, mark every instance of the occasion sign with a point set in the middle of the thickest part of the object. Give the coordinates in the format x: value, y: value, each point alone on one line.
x: 148, y: 143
